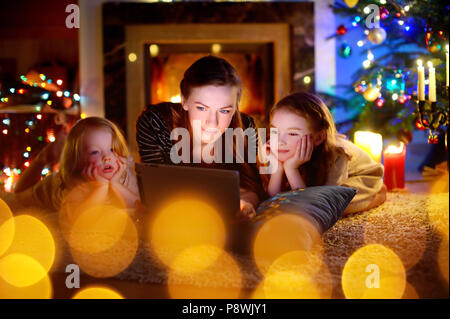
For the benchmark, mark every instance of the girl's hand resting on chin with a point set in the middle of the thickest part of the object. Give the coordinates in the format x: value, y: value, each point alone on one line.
x: 92, y: 173
x: 302, y: 153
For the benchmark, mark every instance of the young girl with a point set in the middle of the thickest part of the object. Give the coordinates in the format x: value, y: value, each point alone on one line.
x: 311, y: 153
x: 94, y: 165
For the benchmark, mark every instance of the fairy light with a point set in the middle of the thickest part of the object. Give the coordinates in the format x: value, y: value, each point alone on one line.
x: 49, y: 102
x: 66, y: 93
x: 59, y: 82
x: 45, y: 171
x: 59, y: 93
x: 360, y: 43
x: 45, y: 96
x: 42, y: 76
x: 83, y: 115
x: 132, y: 57
x: 370, y: 56
x: 366, y: 64
x: 21, y: 91
x: 76, y: 97
x: 401, y: 22
x: 406, y: 8
x: 6, y: 121
x: 12, y: 90
x: 367, y: 10
x: 26, y: 164
x: 39, y: 116
x: 51, y: 136
x: 395, y: 96
x: 28, y: 149
x: 307, y: 79
x: 27, y: 130
x: 26, y: 155
x: 154, y: 50
x: 5, y: 132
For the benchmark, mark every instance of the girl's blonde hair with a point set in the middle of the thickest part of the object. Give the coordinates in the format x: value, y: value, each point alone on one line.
x: 72, y: 159
x: 317, y: 114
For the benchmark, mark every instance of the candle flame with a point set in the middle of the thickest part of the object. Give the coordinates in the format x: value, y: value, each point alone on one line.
x: 419, y: 62
x: 394, y: 149
x: 430, y: 64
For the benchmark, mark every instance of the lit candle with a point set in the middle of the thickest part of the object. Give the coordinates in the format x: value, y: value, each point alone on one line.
x: 370, y: 142
x: 432, y: 82
x: 394, y: 166
x: 421, y: 81
x: 446, y: 65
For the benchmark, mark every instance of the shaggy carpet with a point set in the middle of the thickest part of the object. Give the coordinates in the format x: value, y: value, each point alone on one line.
x: 414, y: 226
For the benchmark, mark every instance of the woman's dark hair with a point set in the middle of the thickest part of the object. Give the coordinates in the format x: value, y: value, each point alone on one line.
x: 210, y: 70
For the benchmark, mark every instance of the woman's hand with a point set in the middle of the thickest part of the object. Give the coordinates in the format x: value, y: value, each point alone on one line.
x: 302, y: 154
x: 247, y: 211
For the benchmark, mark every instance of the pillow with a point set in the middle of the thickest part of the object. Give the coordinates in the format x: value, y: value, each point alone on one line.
x: 323, y: 204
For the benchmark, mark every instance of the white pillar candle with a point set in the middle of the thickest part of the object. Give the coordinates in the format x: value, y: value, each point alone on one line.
x: 421, y: 81
x: 432, y: 82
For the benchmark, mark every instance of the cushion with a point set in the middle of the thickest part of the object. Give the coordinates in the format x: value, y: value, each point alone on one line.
x: 323, y: 204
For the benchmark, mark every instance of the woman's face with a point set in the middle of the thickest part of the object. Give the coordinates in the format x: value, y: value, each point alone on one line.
x: 97, y: 150
x: 291, y: 127
x: 213, y: 107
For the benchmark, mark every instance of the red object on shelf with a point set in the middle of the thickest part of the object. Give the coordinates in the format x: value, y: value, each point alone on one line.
x: 394, y: 166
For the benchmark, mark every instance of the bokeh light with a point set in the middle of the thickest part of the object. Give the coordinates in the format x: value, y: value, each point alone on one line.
x: 33, y: 239
x: 114, y: 259
x: 21, y: 270
x: 373, y: 272
x: 298, y: 275
x: 40, y: 290
x: 97, y: 292
x: 437, y: 206
x: 196, y: 258
x: 98, y: 228
x: 182, y: 224
x: 6, y: 227
x: 220, y: 280
x: 405, y: 234
x: 282, y: 234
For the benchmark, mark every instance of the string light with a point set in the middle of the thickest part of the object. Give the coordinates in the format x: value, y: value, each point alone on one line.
x: 26, y: 155
x: 6, y: 121
x: 59, y: 82
x: 66, y: 93
x: 45, y: 96
x: 5, y: 132
x: 39, y: 116
x: 26, y: 164
x: 360, y: 43
x: 59, y: 93
x: 366, y: 64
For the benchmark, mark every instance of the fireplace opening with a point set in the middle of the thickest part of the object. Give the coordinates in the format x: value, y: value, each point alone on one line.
x: 166, y: 63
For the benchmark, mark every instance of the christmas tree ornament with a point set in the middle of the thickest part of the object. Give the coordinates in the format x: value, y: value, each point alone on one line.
x: 433, y: 138
x: 384, y: 13
x: 379, y: 102
x: 402, y: 98
x: 371, y: 94
x: 351, y: 3
x: 376, y: 35
x: 344, y: 50
x: 341, y: 30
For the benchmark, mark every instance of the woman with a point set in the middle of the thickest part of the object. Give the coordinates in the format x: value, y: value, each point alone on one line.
x: 210, y: 94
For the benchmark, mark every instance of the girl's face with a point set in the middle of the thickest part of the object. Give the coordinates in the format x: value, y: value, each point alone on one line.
x: 291, y: 127
x: 213, y: 106
x: 97, y: 150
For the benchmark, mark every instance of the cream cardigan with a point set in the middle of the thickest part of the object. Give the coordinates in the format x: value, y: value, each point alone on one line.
x: 360, y: 172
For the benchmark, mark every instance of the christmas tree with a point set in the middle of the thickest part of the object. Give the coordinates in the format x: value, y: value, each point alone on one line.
x: 395, y: 35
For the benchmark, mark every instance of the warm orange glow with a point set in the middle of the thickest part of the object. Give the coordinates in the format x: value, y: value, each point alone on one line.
x: 182, y: 224
x: 105, y: 243
x: 373, y: 272
x: 282, y: 234
x: 298, y: 275
x: 399, y: 232
x: 33, y: 239
x: 6, y: 227
x: 371, y: 143
x: 220, y: 280
x: 95, y: 292
x: 98, y: 228
x: 289, y: 285
x: 196, y: 258
x: 437, y: 206
x: 40, y: 290
x: 443, y: 258
x: 395, y: 149
x: 410, y: 292
x: 21, y: 270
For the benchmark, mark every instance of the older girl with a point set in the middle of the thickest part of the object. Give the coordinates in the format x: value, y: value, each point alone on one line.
x: 310, y: 153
